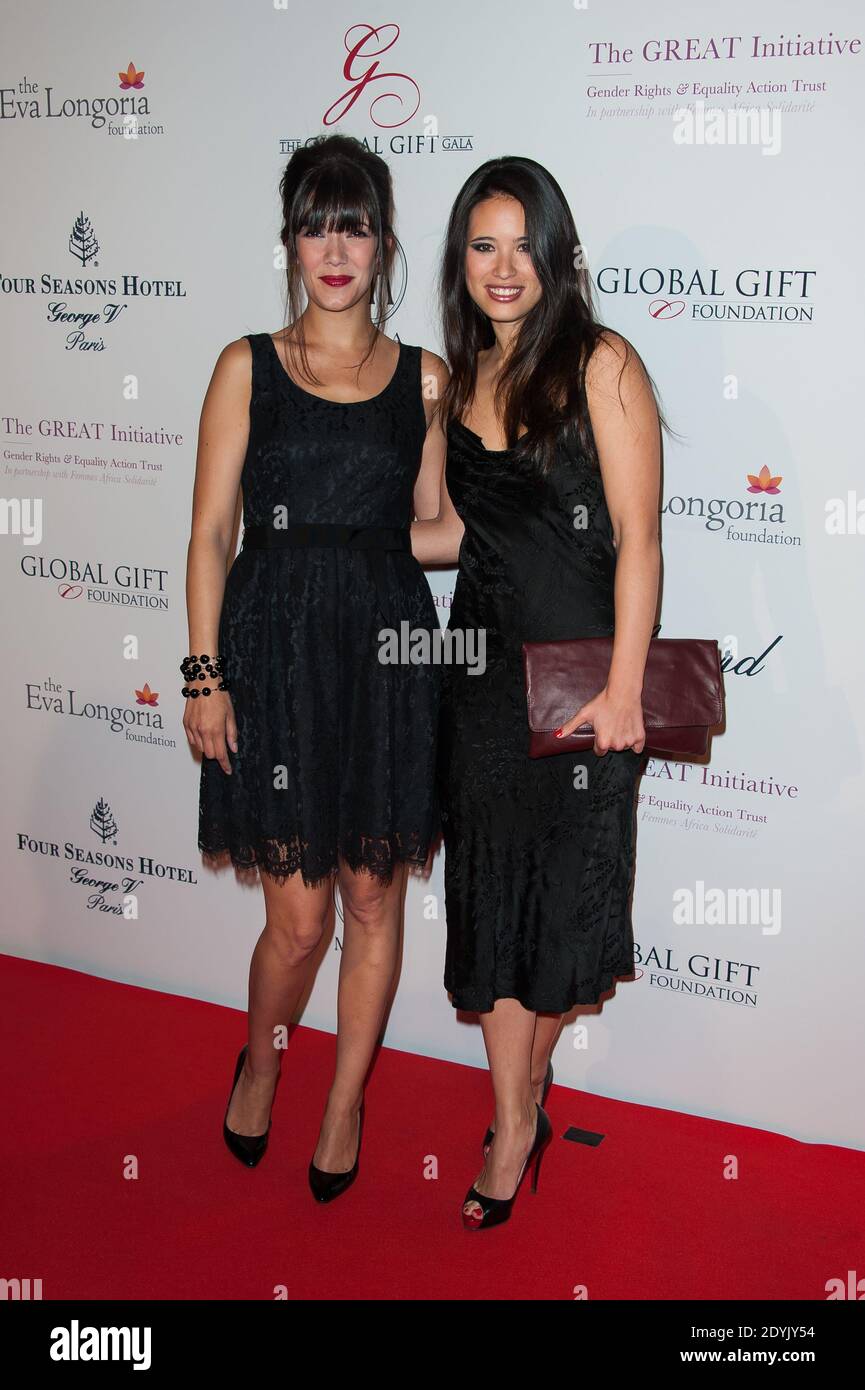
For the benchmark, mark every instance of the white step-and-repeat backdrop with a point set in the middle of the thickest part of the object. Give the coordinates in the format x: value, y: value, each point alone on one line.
x: 710, y: 157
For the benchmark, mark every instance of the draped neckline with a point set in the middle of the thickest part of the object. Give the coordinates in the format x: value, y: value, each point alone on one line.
x: 494, y: 453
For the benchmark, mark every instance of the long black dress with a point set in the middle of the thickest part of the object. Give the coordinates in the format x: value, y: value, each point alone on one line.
x: 336, y: 749
x: 537, y: 871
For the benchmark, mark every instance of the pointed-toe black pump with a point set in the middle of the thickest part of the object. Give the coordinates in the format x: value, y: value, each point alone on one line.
x: 326, y: 1186
x: 495, y: 1210
x: 248, y: 1148
x: 548, y: 1081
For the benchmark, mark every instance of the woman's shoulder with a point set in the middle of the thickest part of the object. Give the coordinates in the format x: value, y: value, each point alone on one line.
x: 233, y: 362
x: 433, y: 368
x: 235, y: 358
x: 610, y: 355
x: 618, y: 386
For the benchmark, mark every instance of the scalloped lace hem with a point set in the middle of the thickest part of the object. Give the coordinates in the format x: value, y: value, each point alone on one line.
x: 281, y: 859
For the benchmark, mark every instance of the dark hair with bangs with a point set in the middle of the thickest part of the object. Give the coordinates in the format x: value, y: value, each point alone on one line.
x: 334, y: 183
x: 542, y: 384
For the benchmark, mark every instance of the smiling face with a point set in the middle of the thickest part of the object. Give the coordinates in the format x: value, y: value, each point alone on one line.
x: 500, y: 276
x: 337, y: 268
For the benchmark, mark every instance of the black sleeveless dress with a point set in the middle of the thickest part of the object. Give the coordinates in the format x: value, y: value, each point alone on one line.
x: 336, y: 748
x: 538, y: 871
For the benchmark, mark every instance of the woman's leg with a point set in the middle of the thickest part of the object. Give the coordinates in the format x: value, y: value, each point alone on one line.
x: 547, y: 1028
x: 296, y: 917
x: 373, y: 917
x: 508, y: 1031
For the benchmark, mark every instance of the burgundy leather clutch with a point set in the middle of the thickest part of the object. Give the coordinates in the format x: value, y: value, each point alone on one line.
x: 682, y: 693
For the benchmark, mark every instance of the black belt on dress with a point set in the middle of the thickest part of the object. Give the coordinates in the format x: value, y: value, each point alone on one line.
x: 327, y: 533
x: 376, y: 539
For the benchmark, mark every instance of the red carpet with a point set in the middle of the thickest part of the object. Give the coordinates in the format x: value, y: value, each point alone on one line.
x: 99, y: 1075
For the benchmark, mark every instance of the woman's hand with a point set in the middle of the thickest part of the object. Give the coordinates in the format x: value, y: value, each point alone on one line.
x: 210, y: 725
x: 618, y: 723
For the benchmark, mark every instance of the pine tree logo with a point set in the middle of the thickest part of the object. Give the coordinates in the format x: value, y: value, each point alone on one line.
x: 102, y: 822
x: 82, y: 242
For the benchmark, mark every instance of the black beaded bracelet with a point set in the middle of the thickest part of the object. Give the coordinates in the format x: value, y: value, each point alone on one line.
x: 192, y: 665
x: 198, y: 668
x: 193, y: 694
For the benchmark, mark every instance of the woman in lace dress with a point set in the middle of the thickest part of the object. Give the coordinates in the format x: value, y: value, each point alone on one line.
x: 550, y: 505
x: 318, y: 755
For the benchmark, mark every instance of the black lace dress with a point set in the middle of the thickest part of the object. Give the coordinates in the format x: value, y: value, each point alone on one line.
x: 538, y: 870
x: 336, y: 749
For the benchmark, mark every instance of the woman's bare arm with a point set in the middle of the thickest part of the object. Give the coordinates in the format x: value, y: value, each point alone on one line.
x: 628, y: 439
x: 629, y: 447
x: 223, y: 435
x: 437, y: 531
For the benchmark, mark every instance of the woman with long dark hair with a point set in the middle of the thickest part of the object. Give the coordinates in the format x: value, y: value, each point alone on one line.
x: 550, y: 505
x: 318, y: 754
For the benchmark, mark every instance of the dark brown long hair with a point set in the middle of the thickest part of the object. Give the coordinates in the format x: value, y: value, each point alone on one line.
x: 542, y: 384
x: 334, y: 183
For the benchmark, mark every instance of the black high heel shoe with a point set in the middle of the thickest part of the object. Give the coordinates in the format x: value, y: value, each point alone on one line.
x: 548, y: 1081
x: 249, y: 1148
x: 326, y: 1186
x: 495, y: 1210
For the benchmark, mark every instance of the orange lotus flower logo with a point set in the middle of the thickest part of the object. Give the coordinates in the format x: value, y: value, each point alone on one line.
x: 131, y: 78
x: 146, y: 696
x: 764, y: 482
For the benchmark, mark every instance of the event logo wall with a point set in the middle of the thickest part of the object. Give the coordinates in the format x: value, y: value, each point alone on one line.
x: 744, y: 481
x: 765, y: 295
x: 388, y: 108
x: 140, y: 722
x: 738, y: 519
x: 30, y: 101
x: 713, y: 979
x: 96, y: 581
x: 62, y: 293
x: 110, y: 880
